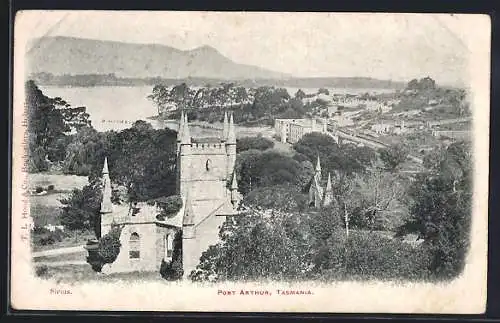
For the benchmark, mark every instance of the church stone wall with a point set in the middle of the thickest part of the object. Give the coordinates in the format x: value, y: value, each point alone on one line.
x: 207, y: 234
x: 147, y: 259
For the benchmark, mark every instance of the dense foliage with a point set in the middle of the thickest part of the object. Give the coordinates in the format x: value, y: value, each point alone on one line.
x: 347, y: 158
x: 307, y: 246
x: 393, y: 156
x: 169, y: 206
x: 50, y: 121
x: 256, y: 168
x: 107, y: 251
x: 81, y: 209
x: 442, y: 210
x: 173, y: 270
x: 335, y: 242
x: 249, y: 106
x: 257, y: 142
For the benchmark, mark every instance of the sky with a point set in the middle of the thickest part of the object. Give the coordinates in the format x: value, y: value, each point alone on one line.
x: 399, y: 47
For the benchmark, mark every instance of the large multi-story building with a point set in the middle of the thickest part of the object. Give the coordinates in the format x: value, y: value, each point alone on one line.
x: 292, y: 130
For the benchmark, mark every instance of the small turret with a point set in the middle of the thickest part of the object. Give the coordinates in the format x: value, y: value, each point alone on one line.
x: 106, y: 205
x: 181, y: 126
x: 231, y: 136
x: 225, y: 130
x: 234, y: 190
x: 318, y: 169
x: 328, y: 192
x: 231, y: 148
x: 186, y: 136
x: 188, y: 219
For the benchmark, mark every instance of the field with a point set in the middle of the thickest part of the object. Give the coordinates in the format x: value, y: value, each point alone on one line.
x: 64, y: 257
x: 69, y: 241
x: 61, y: 182
x: 84, y: 273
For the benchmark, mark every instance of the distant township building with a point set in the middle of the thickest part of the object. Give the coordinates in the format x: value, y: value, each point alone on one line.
x: 292, y: 130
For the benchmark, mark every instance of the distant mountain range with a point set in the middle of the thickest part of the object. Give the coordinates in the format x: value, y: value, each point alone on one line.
x: 73, y: 61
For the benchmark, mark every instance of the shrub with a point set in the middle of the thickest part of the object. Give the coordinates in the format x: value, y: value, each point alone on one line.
x: 42, y: 271
x: 108, y: 249
x: 39, y: 189
x: 258, y: 142
x: 173, y: 270
x: 44, y: 237
x: 375, y: 256
x: 169, y: 206
x: 368, y: 255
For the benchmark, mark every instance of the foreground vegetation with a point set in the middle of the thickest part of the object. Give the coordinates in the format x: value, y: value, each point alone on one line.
x: 359, y: 236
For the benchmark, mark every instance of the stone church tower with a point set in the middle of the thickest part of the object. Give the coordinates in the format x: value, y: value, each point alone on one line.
x: 207, y: 184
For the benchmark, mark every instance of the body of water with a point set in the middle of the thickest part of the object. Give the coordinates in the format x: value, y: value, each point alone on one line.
x: 109, y: 107
x: 118, y: 107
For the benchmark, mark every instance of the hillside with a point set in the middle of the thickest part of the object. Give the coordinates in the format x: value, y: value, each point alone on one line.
x: 75, y: 56
x: 68, y: 61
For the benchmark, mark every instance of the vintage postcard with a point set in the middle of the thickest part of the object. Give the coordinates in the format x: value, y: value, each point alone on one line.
x: 250, y: 161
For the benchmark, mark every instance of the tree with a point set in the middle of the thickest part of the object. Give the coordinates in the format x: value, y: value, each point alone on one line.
x: 85, y: 152
x: 377, y: 193
x: 244, y: 253
x: 257, y: 142
x: 393, y: 156
x: 255, y: 168
x: 160, y: 96
x: 300, y: 95
x: 323, y: 91
x: 45, y: 124
x: 442, y: 210
x: 173, y: 270
x: 107, y: 249
x: 169, y: 206
x: 49, y: 122
x: 282, y: 198
x: 143, y: 160
x: 81, y: 209
x: 332, y: 156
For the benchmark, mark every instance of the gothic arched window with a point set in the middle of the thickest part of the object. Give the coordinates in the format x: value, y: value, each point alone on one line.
x: 208, y: 165
x: 134, y: 246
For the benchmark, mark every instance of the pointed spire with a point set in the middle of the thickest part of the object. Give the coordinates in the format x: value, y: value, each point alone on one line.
x: 181, y: 126
x: 231, y: 136
x: 328, y: 192
x: 106, y: 205
x: 329, y: 183
x: 188, y: 218
x: 105, y: 167
x: 225, y: 130
x: 318, y: 165
x: 235, y: 195
x: 317, y: 173
x: 186, y: 136
x: 234, y: 184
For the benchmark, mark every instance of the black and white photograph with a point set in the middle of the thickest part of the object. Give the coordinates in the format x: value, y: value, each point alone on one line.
x: 250, y: 161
